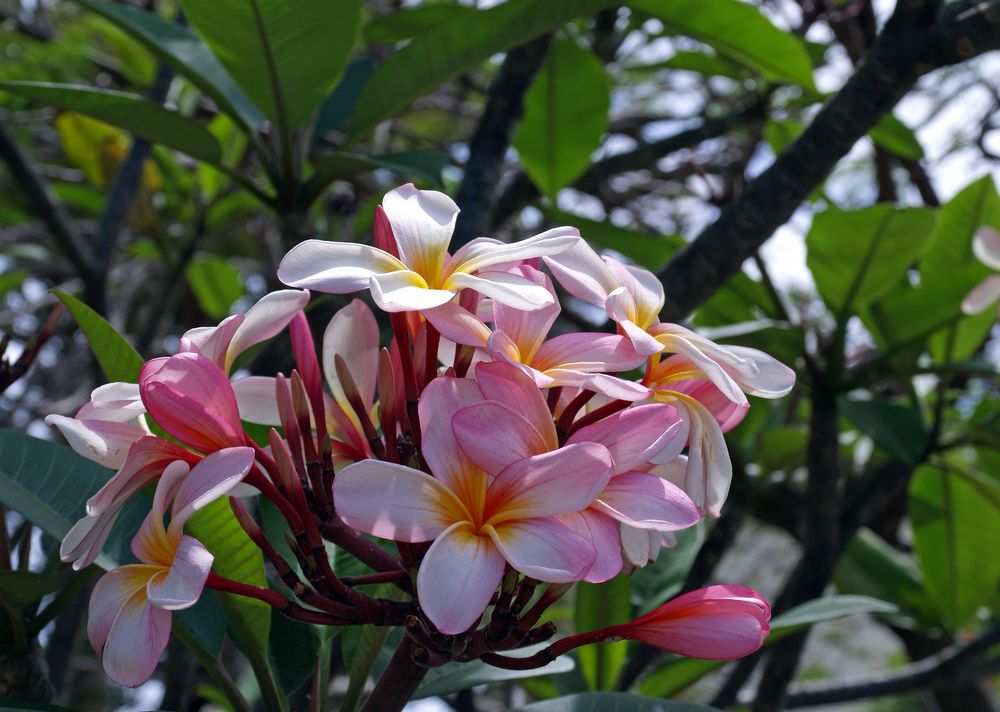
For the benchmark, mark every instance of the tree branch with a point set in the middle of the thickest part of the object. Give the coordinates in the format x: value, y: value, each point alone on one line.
x: 920, y: 36
x: 504, y: 107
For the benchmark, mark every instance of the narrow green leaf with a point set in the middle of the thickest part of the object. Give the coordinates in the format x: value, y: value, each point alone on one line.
x: 119, y: 361
x: 599, y: 606
x: 858, y: 256
x: 127, y: 111
x: 739, y: 31
x: 368, y: 642
x: 185, y: 53
x: 285, y: 54
x: 422, y: 164
x: 955, y: 531
x: 894, y: 428
x: 611, y: 702
x: 565, y: 116
x: 707, y: 63
x: 216, y: 285
x: 896, y: 137
x: 442, y: 53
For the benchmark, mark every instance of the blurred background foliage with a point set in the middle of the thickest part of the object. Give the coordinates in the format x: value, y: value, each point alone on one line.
x: 160, y: 157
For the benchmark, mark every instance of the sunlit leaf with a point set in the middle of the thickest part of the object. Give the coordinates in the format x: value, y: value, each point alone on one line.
x: 599, y: 606
x: 119, y: 361
x: 216, y: 285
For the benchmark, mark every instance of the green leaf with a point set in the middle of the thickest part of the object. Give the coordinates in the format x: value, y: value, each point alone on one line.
x: 611, y: 702
x: 216, y: 285
x: 955, y: 531
x: 119, y: 361
x: 409, y: 22
x: 341, y: 102
x: 285, y: 54
x: 565, y: 116
x: 707, y: 63
x: 739, y: 31
x: 649, y: 251
x: 830, y: 608
x: 896, y: 429
x: 599, y: 606
x: 127, y: 111
x: 896, y: 137
x: 444, y: 52
x: 422, y: 164
x: 293, y: 650
x: 368, y: 641
x: 453, y: 677
x: 185, y: 53
x: 780, y: 133
x: 12, y: 280
x: 858, y: 256
x: 19, y: 588
x: 782, y: 448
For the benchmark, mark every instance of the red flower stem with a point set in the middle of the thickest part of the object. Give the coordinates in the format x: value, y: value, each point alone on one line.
x: 387, y: 406
x: 337, y: 531
x: 431, y: 354
x: 401, y: 333
x: 256, y: 479
x: 595, y: 415
x: 275, y: 600
x: 539, y: 659
x: 570, y: 411
x: 552, y: 398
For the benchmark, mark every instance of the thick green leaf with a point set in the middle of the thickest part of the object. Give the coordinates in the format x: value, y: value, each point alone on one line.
x: 285, y: 54
x: 185, y: 53
x: 599, y: 606
x: 422, y: 164
x: 339, y: 105
x: 449, y: 49
x: 858, y: 256
x: 611, y: 702
x: 453, y: 677
x: 896, y: 429
x: 739, y: 31
x: 649, y: 251
x: 896, y: 137
x: 565, y: 116
x: 127, y: 111
x: 955, y: 532
x: 19, y: 588
x: 409, y: 22
x: 119, y: 361
x: 216, y: 285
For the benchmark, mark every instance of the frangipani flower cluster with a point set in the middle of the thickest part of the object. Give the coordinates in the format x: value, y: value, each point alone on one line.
x: 503, y: 462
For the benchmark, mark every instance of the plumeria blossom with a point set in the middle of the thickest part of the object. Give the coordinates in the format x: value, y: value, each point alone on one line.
x: 130, y: 610
x: 104, y: 429
x: 479, y: 519
x: 422, y: 275
x: 986, y: 247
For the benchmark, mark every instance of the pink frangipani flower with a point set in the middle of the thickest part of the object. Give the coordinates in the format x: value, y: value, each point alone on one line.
x: 130, y: 608
x: 423, y: 275
x: 985, y: 246
x: 479, y: 520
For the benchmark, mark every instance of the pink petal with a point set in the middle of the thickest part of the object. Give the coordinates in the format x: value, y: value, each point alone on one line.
x: 334, y: 267
x: 621, y: 307
x: 353, y: 335
x: 256, y: 400
x: 587, y: 352
x: 559, y: 482
x: 422, y: 223
x: 136, y: 641
x: 511, y: 386
x: 479, y: 254
x: 265, y: 319
x: 440, y: 400
x: 758, y: 373
x: 394, y: 502
x: 182, y: 586
x: 602, y: 533
x: 110, y: 593
x: 726, y: 413
x: 457, y: 324
x: 104, y: 442
x: 210, y: 479
x: 145, y: 461
x: 986, y: 246
x: 644, y: 287
x: 545, y: 549
x: 647, y: 502
x: 634, y: 435
x: 212, y: 342
x: 982, y: 296
x: 406, y: 291
x: 85, y: 539
x: 583, y: 273
x: 504, y: 287
x: 527, y: 329
x: 611, y: 386
x: 457, y: 578
x: 709, y: 469
x: 113, y: 402
x: 151, y: 544
x: 494, y: 436
x: 639, y: 546
x: 190, y: 397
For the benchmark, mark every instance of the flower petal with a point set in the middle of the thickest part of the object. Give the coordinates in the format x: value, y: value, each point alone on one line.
x: 210, y: 479
x: 480, y: 254
x: 527, y: 328
x: 136, y: 641
x: 441, y: 399
x: 458, y: 324
x: 986, y: 246
x: 545, y: 549
x: 117, y: 402
x: 264, y: 320
x: 334, y: 267
x: 394, y: 501
x: 644, y: 287
x: 982, y: 296
x: 583, y: 273
x: 182, y: 586
x: 494, y: 436
x: 633, y: 436
x: 110, y: 593
x: 647, y: 502
x: 611, y: 386
x: 558, y: 482
x: 353, y: 335
x: 602, y: 533
x: 511, y: 386
x: 588, y: 352
x: 105, y: 442
x: 256, y: 400
x: 406, y: 291
x: 510, y: 289
x: 212, y: 342
x: 621, y: 307
x: 457, y: 578
x: 422, y: 223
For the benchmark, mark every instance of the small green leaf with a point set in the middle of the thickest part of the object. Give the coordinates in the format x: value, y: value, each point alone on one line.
x: 119, y: 361
x: 649, y: 251
x: 19, y: 588
x: 599, y: 606
x: 127, y: 111
x: 739, y: 31
x: 216, y: 285
x: 896, y: 137
x: 185, y: 53
x: 955, y: 531
x: 422, y: 164
x: 565, y: 116
x: 894, y: 428
x: 611, y: 702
